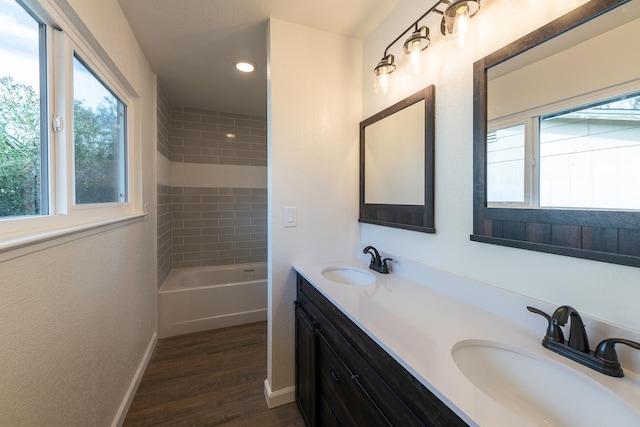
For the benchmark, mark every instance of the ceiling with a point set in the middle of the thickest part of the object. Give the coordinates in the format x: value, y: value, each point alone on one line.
x: 193, y: 45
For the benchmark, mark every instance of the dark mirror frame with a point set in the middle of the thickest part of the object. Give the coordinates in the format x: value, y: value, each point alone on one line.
x: 409, y: 217
x: 608, y: 236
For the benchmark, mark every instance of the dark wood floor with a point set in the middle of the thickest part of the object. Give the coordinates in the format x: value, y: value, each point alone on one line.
x: 211, y: 378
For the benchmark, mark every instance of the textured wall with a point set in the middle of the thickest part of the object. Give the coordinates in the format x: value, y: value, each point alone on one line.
x: 78, y: 316
x: 76, y: 321
x: 313, y: 165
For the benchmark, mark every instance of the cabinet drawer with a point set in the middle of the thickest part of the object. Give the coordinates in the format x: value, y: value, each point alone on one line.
x: 346, y: 399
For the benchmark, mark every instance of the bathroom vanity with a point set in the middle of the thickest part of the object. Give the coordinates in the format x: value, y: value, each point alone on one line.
x: 343, y: 377
x: 434, y: 349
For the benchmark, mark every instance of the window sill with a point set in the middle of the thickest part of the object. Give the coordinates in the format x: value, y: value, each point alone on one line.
x: 23, y: 245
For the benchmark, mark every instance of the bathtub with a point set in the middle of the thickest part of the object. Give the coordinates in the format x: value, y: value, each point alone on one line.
x: 198, y: 299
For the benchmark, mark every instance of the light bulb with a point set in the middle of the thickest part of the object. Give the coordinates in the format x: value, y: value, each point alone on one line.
x: 383, y: 82
x: 414, y: 65
x: 461, y: 26
x: 456, y: 23
x: 414, y: 47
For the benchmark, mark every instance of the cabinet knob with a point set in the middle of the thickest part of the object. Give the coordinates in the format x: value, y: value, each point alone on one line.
x: 335, y: 375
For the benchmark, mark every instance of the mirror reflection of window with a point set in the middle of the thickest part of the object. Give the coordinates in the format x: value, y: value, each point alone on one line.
x: 506, y: 165
x: 590, y: 158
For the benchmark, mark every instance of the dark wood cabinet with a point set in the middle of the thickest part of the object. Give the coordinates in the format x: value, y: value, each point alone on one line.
x: 344, y: 378
x: 306, y: 344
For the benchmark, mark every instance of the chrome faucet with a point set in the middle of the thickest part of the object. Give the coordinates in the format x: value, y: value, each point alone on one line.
x: 377, y: 263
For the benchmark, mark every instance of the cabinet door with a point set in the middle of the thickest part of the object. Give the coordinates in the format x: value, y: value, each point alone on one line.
x: 306, y: 367
x: 342, y: 402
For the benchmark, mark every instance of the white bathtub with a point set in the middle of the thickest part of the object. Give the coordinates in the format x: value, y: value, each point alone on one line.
x: 198, y: 299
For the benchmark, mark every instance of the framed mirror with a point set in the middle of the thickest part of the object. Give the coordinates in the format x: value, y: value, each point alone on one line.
x: 557, y: 138
x: 397, y: 164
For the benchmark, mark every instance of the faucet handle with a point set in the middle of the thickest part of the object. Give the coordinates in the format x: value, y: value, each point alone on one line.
x: 554, y: 332
x: 384, y: 268
x: 606, y: 350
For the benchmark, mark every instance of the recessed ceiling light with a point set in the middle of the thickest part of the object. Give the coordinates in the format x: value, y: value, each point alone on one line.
x: 245, y: 66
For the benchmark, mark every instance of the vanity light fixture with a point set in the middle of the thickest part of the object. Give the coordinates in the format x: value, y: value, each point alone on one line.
x: 413, y: 49
x: 384, y: 74
x: 245, y: 66
x: 454, y: 26
x: 455, y: 23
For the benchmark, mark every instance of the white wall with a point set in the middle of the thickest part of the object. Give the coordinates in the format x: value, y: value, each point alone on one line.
x: 597, y: 56
x: 605, y: 291
x: 314, y: 107
x: 78, y: 317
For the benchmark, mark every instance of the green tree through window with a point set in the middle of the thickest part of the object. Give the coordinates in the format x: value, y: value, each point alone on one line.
x: 19, y: 149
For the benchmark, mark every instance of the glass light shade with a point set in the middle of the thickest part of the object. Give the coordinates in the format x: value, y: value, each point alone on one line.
x: 384, y: 79
x: 414, y: 47
x: 458, y: 29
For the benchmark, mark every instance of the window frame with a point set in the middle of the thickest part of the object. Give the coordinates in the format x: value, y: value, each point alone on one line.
x: 531, y: 120
x: 124, y: 135
x: 601, y: 235
x: 66, y: 35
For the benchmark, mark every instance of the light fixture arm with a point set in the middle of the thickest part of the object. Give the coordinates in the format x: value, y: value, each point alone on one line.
x: 416, y: 22
x: 455, y: 12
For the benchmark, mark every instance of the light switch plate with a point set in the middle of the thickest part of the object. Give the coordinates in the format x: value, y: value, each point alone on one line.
x: 290, y: 217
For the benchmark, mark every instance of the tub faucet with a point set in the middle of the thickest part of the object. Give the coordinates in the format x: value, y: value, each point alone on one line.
x: 377, y: 263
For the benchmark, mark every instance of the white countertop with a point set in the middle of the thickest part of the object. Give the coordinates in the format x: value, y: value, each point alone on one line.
x: 419, y: 326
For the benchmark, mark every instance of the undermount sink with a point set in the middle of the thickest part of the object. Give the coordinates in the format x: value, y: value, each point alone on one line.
x: 541, y: 390
x: 349, y: 275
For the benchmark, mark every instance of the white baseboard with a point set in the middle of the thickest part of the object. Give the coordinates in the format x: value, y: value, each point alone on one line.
x: 131, y: 392
x: 279, y: 397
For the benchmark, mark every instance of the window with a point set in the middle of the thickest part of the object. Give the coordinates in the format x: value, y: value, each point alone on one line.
x: 23, y: 147
x: 590, y: 157
x: 585, y: 157
x: 506, y: 165
x: 99, y: 139
x: 65, y: 146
